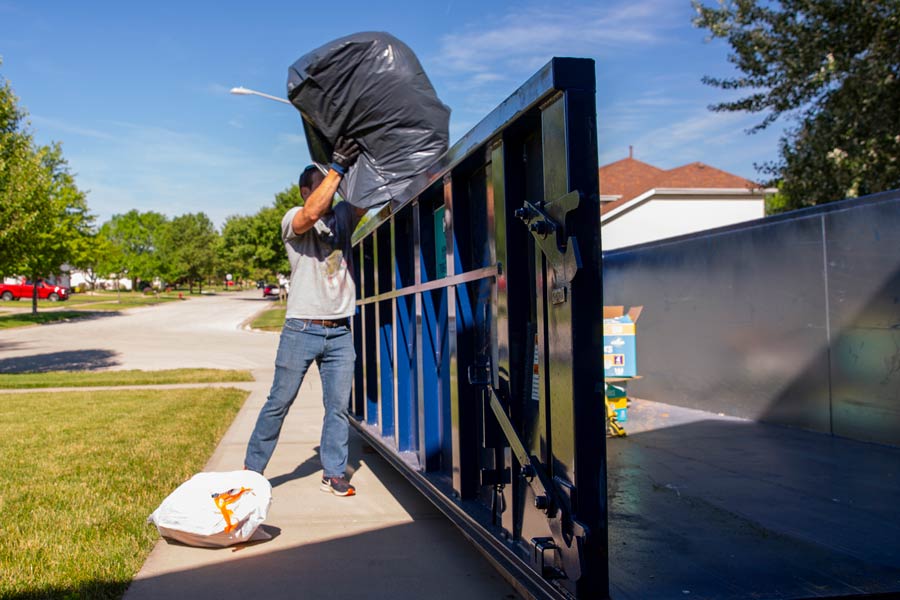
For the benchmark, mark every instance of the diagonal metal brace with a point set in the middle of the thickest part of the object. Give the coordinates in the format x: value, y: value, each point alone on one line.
x: 568, y: 534
x: 561, y: 251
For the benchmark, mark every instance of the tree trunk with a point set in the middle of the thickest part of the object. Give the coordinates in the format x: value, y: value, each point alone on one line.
x: 34, y: 294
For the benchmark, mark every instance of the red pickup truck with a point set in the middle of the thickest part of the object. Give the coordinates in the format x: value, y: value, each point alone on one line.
x: 24, y: 289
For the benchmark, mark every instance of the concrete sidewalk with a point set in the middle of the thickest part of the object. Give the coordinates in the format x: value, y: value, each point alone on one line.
x: 385, y: 542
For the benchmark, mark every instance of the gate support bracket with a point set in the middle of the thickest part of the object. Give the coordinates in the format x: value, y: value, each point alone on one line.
x: 543, y: 221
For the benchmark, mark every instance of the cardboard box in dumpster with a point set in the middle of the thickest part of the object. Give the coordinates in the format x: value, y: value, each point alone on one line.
x: 619, y: 345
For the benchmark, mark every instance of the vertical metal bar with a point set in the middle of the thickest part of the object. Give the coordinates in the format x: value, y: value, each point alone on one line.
x: 370, y: 331
x: 386, y: 326
x: 559, y: 323
x: 469, y: 321
x: 454, y: 440
x: 398, y: 354
x: 500, y: 334
x: 358, y: 376
x: 406, y: 387
x: 420, y: 345
x: 589, y: 499
x: 362, y: 348
x: 528, y: 405
x: 434, y: 320
x: 375, y: 402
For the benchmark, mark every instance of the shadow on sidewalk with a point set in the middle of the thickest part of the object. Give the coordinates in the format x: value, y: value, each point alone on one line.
x: 313, y: 465
x: 70, y: 360
x: 397, y: 562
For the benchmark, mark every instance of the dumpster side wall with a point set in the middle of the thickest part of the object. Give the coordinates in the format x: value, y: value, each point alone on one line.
x: 792, y: 319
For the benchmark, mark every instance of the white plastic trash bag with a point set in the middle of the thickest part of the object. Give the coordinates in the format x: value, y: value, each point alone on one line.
x: 214, y: 510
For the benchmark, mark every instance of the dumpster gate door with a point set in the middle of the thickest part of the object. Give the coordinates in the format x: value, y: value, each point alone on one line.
x: 479, y: 336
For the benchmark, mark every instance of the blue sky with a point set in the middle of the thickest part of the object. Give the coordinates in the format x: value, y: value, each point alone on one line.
x: 138, y: 92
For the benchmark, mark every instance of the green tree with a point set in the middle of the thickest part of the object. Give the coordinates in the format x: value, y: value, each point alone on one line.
x: 287, y: 199
x: 23, y: 181
x: 251, y: 244
x: 237, y: 247
x: 62, y: 225
x: 270, y: 257
x: 832, y: 67
x: 44, y: 219
x: 188, y: 248
x: 98, y: 257
x: 136, y: 237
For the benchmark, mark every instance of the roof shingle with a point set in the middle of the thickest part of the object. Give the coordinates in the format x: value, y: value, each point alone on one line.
x: 629, y: 178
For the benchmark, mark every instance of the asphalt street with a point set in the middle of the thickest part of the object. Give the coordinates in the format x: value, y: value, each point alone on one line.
x: 202, y: 331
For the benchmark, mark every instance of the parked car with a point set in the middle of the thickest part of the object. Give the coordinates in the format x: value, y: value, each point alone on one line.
x: 270, y: 289
x: 24, y: 289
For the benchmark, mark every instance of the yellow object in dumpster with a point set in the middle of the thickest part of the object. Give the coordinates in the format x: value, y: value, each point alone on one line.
x: 617, y: 400
x: 612, y: 421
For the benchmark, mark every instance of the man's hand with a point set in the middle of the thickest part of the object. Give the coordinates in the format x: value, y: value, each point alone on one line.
x: 346, y: 151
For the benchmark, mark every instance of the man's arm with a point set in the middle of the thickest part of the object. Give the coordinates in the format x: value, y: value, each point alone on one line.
x: 346, y: 151
x: 317, y: 204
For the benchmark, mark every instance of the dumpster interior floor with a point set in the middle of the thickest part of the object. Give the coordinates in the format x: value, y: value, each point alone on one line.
x: 707, y: 506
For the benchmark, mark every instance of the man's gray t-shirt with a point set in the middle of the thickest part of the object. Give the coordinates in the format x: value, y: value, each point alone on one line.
x: 322, y: 285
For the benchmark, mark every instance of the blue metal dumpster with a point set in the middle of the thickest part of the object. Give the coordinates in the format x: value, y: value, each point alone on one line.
x: 479, y: 336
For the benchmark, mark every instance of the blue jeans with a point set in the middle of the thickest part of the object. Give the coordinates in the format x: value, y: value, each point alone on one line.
x: 301, y: 343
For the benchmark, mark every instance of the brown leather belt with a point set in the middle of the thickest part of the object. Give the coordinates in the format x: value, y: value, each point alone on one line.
x: 345, y: 322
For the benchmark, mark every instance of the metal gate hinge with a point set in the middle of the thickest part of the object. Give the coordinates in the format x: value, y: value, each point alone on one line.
x: 561, y: 250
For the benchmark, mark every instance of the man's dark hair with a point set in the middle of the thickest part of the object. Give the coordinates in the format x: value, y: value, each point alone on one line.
x: 306, y: 177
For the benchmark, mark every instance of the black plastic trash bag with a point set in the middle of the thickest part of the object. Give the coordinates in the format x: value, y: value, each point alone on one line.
x: 370, y: 87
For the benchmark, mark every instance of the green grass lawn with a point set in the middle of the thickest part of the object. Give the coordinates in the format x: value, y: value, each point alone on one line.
x: 80, y: 299
x: 112, y: 378
x: 81, y: 472
x: 23, y: 319
x: 271, y: 319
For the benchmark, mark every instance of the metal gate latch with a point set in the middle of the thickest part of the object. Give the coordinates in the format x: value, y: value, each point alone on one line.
x: 546, y: 222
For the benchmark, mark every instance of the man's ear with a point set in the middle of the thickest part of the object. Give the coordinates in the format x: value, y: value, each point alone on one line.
x: 305, y: 192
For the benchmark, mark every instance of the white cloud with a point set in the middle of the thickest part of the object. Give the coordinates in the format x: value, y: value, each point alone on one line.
x: 478, y: 66
x: 291, y: 139
x: 524, y: 39
x: 695, y: 136
x: 57, y: 125
x: 124, y: 165
x: 159, y: 146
